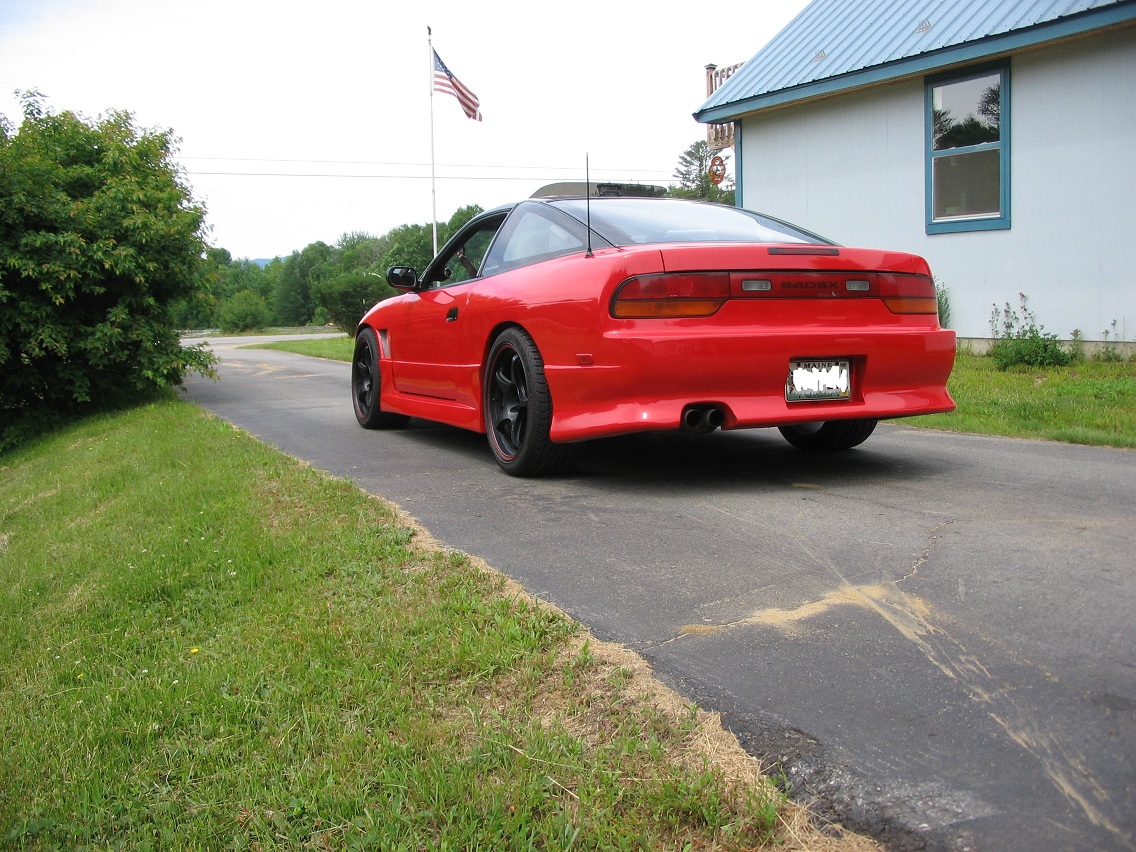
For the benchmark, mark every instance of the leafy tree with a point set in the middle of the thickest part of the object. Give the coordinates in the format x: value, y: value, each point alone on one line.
x: 99, y: 236
x: 409, y: 245
x: 693, y: 175
x: 361, y: 261
x: 413, y: 245
x: 356, y: 284
x: 460, y: 217
x: 359, y: 250
x: 220, y: 279
x: 292, y: 297
x: 196, y: 309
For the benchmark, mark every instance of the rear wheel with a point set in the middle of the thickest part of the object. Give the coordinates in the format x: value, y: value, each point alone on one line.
x: 366, y: 385
x: 828, y: 435
x: 518, y: 408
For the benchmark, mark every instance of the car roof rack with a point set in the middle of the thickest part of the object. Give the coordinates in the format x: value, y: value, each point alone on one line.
x: 580, y: 189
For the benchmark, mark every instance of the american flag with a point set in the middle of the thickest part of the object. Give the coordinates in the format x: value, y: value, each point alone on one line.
x: 446, y: 83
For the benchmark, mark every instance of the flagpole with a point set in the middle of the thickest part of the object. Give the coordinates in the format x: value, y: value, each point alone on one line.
x: 433, y: 189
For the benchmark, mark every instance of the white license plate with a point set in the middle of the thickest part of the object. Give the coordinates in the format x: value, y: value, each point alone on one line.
x: 819, y: 379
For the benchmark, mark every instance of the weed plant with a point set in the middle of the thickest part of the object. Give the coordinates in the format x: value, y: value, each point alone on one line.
x: 943, y: 298
x: 205, y: 644
x: 1020, y: 340
x: 1110, y: 348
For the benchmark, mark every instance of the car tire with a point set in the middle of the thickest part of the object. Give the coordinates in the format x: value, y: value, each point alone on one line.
x: 366, y: 385
x: 828, y: 435
x: 517, y: 408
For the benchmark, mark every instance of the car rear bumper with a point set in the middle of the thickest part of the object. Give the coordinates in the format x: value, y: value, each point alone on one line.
x: 899, y: 372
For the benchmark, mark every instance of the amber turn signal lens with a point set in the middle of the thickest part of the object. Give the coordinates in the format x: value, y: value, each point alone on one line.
x: 666, y: 309
x: 668, y: 296
x: 908, y: 294
x: 912, y: 305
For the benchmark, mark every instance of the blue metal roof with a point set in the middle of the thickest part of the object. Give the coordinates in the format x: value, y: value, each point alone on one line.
x: 834, y: 45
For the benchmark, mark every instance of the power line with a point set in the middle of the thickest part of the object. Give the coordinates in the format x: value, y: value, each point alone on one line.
x: 571, y: 169
x: 379, y: 177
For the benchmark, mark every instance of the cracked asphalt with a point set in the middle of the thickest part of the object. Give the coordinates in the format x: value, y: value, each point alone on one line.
x: 930, y: 638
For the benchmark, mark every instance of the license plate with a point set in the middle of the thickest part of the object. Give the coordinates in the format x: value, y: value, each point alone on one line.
x: 819, y: 379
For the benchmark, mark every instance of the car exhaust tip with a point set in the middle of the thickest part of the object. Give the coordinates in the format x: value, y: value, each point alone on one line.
x: 702, y: 418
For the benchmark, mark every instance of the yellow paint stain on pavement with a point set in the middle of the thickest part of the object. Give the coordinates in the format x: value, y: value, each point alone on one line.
x: 699, y: 629
x: 787, y: 618
x: 915, y: 620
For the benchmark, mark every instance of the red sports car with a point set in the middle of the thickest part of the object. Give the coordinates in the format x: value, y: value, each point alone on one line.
x: 555, y: 320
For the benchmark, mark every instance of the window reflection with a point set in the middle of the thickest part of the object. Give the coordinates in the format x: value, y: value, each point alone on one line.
x: 967, y: 112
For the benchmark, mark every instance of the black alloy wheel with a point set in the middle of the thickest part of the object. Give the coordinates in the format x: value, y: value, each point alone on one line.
x: 518, y: 408
x: 366, y: 384
x: 828, y: 435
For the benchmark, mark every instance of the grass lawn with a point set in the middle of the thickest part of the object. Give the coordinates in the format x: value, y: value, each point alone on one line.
x: 205, y: 644
x: 1089, y: 402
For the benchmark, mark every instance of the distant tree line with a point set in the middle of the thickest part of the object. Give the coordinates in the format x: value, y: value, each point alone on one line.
x: 320, y: 284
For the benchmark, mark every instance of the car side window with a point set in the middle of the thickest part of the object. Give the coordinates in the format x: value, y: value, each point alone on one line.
x: 533, y: 234
x: 463, y: 259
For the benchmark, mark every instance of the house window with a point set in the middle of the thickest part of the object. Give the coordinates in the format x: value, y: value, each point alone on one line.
x: 968, y: 169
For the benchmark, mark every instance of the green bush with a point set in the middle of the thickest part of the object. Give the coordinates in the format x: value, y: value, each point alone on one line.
x: 1020, y: 341
x: 243, y: 311
x: 98, y: 237
x: 344, y: 297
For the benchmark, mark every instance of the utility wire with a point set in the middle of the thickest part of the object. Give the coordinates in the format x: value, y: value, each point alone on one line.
x: 375, y: 177
x: 560, y: 172
x: 570, y: 169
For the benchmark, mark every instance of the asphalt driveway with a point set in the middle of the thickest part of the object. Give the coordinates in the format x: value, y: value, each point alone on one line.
x: 931, y: 636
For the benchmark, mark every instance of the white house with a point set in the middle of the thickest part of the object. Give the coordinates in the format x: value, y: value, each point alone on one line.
x: 997, y: 138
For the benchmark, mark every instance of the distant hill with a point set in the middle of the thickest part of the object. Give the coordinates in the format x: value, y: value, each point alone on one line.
x: 262, y: 261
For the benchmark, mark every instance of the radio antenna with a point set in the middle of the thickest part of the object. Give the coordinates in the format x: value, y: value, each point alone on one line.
x: 588, y: 203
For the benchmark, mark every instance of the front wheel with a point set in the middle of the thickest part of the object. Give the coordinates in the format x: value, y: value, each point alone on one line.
x: 828, y: 435
x: 518, y: 408
x: 366, y: 385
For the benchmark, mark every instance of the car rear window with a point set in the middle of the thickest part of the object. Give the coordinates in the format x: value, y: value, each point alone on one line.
x: 624, y: 221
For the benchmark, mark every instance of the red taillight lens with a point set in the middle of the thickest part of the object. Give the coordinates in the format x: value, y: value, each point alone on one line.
x: 684, y: 294
x: 908, y: 294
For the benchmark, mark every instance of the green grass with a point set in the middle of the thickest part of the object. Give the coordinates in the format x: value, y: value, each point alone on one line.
x: 205, y: 644
x: 1088, y: 402
x: 333, y: 348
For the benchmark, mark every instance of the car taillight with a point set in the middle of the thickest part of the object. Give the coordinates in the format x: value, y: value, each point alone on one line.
x: 908, y: 294
x: 683, y: 294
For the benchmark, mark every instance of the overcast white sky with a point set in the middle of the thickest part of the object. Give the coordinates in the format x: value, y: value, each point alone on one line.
x: 300, y: 121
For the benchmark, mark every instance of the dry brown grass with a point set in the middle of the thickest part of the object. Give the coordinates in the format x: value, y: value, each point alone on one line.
x: 621, y: 679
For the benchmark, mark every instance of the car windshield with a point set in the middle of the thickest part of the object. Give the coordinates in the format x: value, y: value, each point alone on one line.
x: 625, y: 221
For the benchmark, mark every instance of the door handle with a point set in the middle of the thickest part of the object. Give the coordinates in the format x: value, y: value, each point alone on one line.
x: 451, y: 314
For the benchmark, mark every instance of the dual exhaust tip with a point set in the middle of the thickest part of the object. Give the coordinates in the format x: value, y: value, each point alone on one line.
x: 702, y: 418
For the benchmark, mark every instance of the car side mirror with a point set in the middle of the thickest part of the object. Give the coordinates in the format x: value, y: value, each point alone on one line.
x: 402, y: 277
